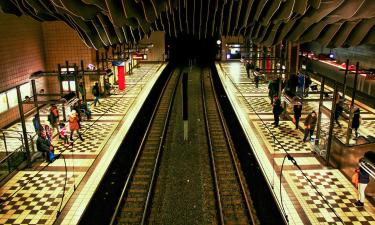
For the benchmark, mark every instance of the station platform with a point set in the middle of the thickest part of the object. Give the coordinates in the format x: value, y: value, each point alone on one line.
x: 315, y: 194
x: 38, y: 195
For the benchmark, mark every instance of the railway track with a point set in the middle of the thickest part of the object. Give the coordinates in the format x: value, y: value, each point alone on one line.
x: 233, y: 205
x: 134, y: 203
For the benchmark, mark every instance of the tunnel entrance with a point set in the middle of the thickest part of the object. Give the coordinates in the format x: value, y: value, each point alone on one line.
x: 187, y: 47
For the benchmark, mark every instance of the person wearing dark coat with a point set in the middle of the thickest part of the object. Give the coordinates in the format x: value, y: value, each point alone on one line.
x: 248, y: 67
x: 310, y: 123
x: 363, y: 180
x: 277, y: 110
x: 297, y: 109
x: 356, y: 121
x: 44, y: 145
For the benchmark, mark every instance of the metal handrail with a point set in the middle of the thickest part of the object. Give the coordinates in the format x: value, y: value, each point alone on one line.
x: 9, y: 155
x: 131, y: 171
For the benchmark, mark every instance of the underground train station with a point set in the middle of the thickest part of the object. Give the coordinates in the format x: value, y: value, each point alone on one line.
x: 187, y: 112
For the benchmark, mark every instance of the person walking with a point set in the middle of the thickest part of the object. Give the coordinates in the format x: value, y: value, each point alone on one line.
x: 44, y: 145
x: 96, y: 93
x: 356, y: 121
x: 74, y: 125
x: 363, y: 180
x: 277, y: 110
x: 310, y: 123
x: 272, y: 90
x: 297, y: 109
x: 63, y: 133
x: 37, y: 125
x: 307, y: 85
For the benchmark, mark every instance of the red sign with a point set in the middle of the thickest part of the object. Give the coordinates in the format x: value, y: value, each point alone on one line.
x: 121, y: 77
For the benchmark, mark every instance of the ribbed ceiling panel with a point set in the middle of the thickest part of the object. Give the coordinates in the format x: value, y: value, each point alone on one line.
x: 99, y: 23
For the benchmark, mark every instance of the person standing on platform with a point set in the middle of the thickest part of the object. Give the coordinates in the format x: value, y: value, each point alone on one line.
x: 53, y: 118
x: 356, y: 121
x: 81, y: 90
x: 310, y: 123
x: 307, y: 85
x: 272, y: 90
x: 256, y: 79
x: 277, y: 110
x: 74, y: 125
x: 63, y: 133
x: 248, y: 67
x: 297, y: 109
x: 37, y: 125
x: 96, y: 93
x: 363, y: 180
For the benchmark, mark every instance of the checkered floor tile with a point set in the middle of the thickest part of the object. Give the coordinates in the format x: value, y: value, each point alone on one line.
x: 259, y: 104
x: 336, y: 189
x: 112, y: 105
x: 288, y: 138
x: 39, y: 199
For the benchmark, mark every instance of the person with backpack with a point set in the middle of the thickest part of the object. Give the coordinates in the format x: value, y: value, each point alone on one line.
x: 53, y: 118
x: 96, y: 93
x: 363, y: 181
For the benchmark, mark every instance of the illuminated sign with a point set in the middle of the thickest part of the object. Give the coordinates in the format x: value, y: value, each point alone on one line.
x: 140, y: 56
x: 370, y: 77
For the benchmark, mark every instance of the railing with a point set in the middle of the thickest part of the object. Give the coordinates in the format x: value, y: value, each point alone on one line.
x: 11, y: 159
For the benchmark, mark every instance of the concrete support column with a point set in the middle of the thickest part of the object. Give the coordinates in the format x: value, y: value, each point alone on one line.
x: 293, y: 58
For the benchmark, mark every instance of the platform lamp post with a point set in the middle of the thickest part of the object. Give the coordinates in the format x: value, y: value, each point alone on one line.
x: 61, y: 90
x: 349, y: 131
x: 23, y: 124
x: 322, y: 84
x: 331, y: 123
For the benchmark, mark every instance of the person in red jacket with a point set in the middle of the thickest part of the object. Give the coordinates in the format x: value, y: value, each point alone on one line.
x: 74, y: 125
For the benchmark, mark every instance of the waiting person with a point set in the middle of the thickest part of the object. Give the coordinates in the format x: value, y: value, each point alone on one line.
x: 256, y: 79
x: 74, y: 125
x: 44, y: 145
x: 356, y: 121
x: 363, y: 180
x: 85, y: 108
x: 272, y: 90
x: 81, y: 90
x: 297, y: 109
x: 107, y: 87
x: 53, y: 118
x: 301, y: 84
x: 277, y: 110
x: 310, y: 123
x: 248, y: 67
x: 307, y: 85
x: 63, y: 133
x: 96, y: 93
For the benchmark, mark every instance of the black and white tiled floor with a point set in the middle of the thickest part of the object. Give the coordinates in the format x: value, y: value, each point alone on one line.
x: 305, y: 202
x: 33, y: 197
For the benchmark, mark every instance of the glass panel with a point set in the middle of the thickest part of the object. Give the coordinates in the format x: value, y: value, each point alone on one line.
x: 25, y: 90
x: 12, y: 98
x: 3, y: 102
x: 65, y: 85
x: 72, y: 85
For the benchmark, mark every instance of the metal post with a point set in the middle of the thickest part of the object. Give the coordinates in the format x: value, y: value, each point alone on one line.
x: 322, y: 83
x: 35, y: 96
x: 106, y: 58
x: 331, y: 123
x: 83, y: 81
x: 68, y: 74
x: 23, y: 123
x: 345, y: 78
x: 349, y: 130
x: 102, y: 62
x: 61, y: 92
x: 75, y: 73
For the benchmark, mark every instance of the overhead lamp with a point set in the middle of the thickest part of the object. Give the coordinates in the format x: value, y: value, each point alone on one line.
x: 218, y: 42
